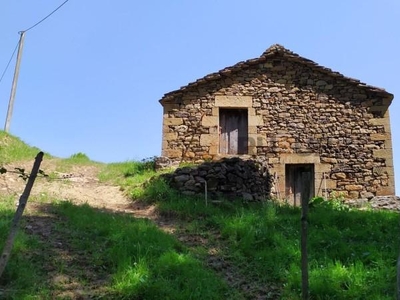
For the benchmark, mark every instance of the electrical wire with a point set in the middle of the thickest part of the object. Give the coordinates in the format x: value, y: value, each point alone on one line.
x: 36, y: 24
x: 33, y: 26
x: 9, y: 61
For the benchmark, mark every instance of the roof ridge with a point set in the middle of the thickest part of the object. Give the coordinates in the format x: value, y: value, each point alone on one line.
x: 275, y: 49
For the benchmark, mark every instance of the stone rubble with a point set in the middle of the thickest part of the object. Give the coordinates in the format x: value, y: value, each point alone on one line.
x: 228, y: 178
x: 377, y: 203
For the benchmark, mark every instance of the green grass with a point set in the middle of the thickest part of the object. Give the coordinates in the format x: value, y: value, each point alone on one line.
x: 130, y: 175
x: 135, y: 258
x: 23, y: 274
x: 352, y: 254
x: 80, y: 159
x: 13, y: 149
x: 143, y: 261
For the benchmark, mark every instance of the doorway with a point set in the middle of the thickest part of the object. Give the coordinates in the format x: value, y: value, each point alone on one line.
x: 233, y: 125
x: 299, y: 182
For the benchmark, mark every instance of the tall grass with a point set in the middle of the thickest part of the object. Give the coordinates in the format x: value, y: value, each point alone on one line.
x: 13, y: 149
x: 22, y: 275
x: 352, y: 253
x: 145, y: 263
x: 130, y: 175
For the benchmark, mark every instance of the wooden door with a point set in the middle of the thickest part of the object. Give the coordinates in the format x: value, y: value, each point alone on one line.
x: 233, y: 131
x: 299, y: 182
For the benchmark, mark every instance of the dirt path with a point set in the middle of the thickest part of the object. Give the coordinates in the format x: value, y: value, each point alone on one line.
x: 79, y: 185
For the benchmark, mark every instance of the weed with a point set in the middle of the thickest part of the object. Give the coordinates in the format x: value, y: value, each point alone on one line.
x: 334, y: 203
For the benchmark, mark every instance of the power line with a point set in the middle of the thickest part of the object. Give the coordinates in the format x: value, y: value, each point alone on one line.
x: 16, y: 73
x: 36, y: 24
x: 46, y: 16
x: 8, y: 64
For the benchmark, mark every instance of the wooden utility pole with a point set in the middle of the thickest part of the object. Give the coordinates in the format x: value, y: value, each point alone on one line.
x: 14, y: 83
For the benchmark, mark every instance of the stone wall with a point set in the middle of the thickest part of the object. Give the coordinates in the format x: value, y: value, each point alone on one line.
x: 377, y: 203
x: 293, y: 111
x: 228, y: 178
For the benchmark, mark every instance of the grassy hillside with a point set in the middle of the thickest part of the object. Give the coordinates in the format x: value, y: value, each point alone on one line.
x: 223, y: 250
x: 13, y: 149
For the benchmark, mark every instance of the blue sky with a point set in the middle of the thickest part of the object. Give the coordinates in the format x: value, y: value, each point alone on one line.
x: 92, y: 74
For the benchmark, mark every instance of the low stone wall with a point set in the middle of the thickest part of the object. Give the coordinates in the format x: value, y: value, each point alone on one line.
x: 377, y: 202
x: 229, y: 178
x: 162, y: 162
x: 246, y: 179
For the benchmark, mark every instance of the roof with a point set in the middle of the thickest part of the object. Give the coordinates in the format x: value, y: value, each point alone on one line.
x: 273, y: 51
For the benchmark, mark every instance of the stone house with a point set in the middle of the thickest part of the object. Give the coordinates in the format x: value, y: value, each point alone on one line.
x: 306, y: 122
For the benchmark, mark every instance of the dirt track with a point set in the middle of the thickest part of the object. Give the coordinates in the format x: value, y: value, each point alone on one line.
x: 79, y: 185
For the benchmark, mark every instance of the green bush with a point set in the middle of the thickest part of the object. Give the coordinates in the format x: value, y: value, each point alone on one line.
x: 79, y: 158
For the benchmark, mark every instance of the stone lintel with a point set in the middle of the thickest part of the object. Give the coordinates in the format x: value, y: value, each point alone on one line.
x: 296, y: 158
x: 233, y: 101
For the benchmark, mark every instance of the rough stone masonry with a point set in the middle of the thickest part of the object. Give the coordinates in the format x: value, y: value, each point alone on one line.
x: 299, y: 117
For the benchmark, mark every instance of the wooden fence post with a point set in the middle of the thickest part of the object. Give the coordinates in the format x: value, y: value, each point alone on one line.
x: 304, y: 224
x: 398, y: 278
x: 18, y: 214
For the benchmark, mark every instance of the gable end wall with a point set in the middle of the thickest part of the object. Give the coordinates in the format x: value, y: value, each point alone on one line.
x: 293, y: 111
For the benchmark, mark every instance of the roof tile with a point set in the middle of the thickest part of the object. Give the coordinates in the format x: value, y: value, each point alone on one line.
x: 274, y: 50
